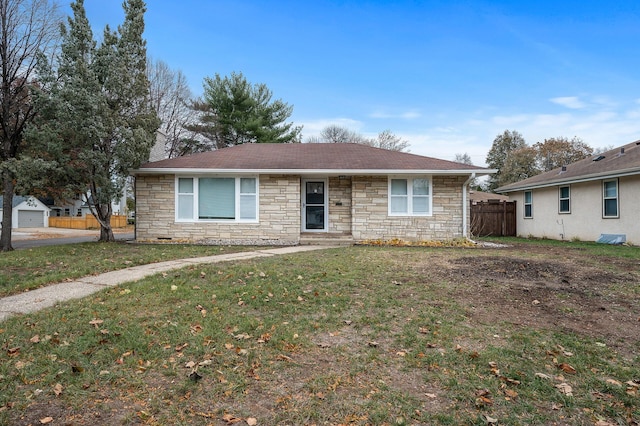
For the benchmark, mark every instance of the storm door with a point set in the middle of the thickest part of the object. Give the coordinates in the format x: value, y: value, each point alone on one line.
x: 314, y: 205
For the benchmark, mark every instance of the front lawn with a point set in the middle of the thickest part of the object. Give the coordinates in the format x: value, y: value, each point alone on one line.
x: 27, y: 269
x: 527, y: 335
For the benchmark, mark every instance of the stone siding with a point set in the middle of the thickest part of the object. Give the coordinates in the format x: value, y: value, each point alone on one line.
x: 371, y: 220
x: 279, y: 215
x: 340, y: 205
x: 358, y: 206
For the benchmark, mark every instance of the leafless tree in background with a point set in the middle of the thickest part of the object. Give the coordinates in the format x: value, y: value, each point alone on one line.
x: 28, y: 28
x: 171, y: 99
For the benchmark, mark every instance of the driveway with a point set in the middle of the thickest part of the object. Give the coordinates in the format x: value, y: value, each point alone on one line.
x: 22, y: 238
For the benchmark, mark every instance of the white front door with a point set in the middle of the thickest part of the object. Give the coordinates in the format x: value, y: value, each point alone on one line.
x: 314, y: 205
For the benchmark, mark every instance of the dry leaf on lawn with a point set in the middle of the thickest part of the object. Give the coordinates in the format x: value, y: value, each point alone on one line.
x: 565, y: 389
x: 57, y: 389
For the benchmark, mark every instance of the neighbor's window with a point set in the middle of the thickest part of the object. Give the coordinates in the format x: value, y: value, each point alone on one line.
x: 610, y: 198
x: 217, y: 199
x: 564, y: 196
x: 410, y: 197
x: 528, y: 204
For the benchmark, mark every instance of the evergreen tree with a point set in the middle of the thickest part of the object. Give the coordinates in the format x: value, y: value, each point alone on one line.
x: 235, y: 111
x: 96, y: 120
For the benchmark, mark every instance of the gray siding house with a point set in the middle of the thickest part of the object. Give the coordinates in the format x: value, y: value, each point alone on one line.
x: 584, y: 200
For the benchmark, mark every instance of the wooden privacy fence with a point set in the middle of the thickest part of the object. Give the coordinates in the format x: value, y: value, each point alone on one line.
x: 87, y: 222
x: 493, y: 218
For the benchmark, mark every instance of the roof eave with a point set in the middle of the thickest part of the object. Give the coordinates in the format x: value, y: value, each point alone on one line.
x: 336, y: 172
x: 576, y: 179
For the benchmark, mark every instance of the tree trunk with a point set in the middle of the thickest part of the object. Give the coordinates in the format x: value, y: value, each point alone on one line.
x: 7, y: 211
x: 104, y: 218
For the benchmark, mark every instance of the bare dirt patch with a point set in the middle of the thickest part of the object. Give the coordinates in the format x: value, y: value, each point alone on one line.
x: 549, y: 290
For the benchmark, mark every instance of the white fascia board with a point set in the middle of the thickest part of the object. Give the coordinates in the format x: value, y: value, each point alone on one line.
x: 330, y: 172
x: 577, y: 179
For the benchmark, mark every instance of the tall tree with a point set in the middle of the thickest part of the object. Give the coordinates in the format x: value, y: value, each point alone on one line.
x: 503, y: 144
x: 171, y: 99
x: 27, y: 27
x: 520, y: 164
x: 96, y: 120
x: 235, y: 112
x: 338, y: 134
x: 558, y: 152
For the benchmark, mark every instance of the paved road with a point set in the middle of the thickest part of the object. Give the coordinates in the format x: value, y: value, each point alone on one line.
x: 24, y: 244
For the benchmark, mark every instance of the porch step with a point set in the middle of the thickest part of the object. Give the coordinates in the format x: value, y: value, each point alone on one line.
x: 323, y: 239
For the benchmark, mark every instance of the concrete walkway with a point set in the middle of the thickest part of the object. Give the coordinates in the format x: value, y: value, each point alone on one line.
x: 48, y: 296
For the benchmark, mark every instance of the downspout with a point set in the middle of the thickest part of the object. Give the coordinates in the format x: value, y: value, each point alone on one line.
x: 465, y: 206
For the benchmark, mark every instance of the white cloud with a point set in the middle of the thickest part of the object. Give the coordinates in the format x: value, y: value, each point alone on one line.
x: 406, y: 115
x: 572, y: 102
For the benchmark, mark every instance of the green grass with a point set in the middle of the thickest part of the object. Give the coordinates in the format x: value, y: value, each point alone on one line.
x: 360, y: 335
x: 22, y: 270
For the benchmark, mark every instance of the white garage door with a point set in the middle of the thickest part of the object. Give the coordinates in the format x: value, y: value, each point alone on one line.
x: 30, y: 219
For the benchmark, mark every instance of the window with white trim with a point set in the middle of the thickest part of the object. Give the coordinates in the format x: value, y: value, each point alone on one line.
x: 564, y: 199
x: 528, y: 204
x: 410, y: 197
x: 610, y: 198
x: 217, y: 199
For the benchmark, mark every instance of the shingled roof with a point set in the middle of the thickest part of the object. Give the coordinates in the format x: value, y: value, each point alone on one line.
x: 308, y: 158
x: 621, y: 161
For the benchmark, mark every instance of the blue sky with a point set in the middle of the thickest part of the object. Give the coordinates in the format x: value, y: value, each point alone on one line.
x: 448, y: 76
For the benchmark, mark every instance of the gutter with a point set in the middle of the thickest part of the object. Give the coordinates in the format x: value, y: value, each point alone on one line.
x: 327, y: 172
x: 577, y: 179
x: 465, y: 205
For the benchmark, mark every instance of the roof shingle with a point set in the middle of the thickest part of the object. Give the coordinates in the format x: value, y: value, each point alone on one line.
x: 621, y: 160
x: 307, y: 156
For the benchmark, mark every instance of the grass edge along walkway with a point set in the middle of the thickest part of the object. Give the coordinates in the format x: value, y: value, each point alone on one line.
x: 35, y: 300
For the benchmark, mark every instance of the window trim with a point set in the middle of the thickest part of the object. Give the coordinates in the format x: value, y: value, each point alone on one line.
x: 195, y: 199
x: 410, y: 196
x: 605, y: 198
x: 567, y: 199
x: 525, y: 204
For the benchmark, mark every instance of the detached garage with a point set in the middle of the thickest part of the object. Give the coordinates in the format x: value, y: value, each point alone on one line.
x: 28, y: 212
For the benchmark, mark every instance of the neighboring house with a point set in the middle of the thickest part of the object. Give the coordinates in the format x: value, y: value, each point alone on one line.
x: 28, y: 212
x: 284, y: 193
x: 583, y: 200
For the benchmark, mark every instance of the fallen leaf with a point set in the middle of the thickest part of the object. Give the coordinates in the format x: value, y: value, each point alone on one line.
x: 490, y: 420
x: 511, y: 393
x: 543, y: 376
x: 190, y: 364
x: 95, y: 322
x: 35, y: 339
x: 567, y: 368
x: 231, y: 419
x: 614, y: 382
x: 373, y: 344
x: 251, y: 421
x: 565, y: 389
x: 46, y: 420
x: 431, y: 395
x: 57, y: 389
x: 13, y: 351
